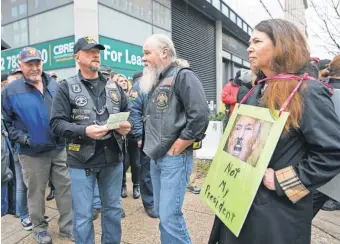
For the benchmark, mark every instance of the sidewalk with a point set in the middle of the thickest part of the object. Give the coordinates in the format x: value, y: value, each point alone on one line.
x: 138, y: 228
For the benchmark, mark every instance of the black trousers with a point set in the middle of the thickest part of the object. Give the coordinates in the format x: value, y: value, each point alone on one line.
x: 131, y: 158
x: 146, y: 189
x: 319, y: 200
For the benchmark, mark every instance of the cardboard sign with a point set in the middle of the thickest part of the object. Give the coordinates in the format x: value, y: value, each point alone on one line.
x: 238, y: 167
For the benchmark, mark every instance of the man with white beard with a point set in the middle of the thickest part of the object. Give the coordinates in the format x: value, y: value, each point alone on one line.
x: 177, y: 115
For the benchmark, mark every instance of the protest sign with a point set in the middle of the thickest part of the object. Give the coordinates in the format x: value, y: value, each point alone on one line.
x: 238, y: 167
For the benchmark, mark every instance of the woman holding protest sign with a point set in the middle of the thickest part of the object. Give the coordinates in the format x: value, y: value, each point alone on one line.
x: 307, y: 153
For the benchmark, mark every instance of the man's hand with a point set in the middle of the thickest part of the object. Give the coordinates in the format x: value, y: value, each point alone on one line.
x: 269, y: 179
x: 179, y: 146
x: 124, y: 128
x: 140, y: 143
x: 96, y: 131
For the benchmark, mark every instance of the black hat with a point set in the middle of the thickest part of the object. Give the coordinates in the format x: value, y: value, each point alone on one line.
x: 4, y: 77
x: 28, y: 54
x: 106, y: 70
x: 323, y: 64
x: 86, y: 43
x: 15, y: 71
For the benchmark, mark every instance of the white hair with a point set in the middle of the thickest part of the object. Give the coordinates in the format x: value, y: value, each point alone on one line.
x: 182, y: 62
x: 163, y: 42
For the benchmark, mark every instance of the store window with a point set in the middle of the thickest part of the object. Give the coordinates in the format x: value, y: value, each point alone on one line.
x: 15, y: 34
x: 161, y: 16
x: 166, y: 3
x: 49, y: 26
x: 38, y: 6
x: 12, y: 10
x: 137, y: 8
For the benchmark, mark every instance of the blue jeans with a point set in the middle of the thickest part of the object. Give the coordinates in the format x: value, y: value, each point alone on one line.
x: 145, y: 181
x: 20, y: 192
x: 170, y: 176
x: 96, y: 197
x: 109, y: 180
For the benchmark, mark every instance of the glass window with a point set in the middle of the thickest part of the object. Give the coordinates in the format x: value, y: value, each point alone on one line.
x: 166, y: 3
x: 161, y: 16
x: 15, y: 34
x: 232, y: 16
x: 47, y: 26
x: 239, y: 22
x: 119, y: 23
x: 13, y: 10
x: 38, y: 6
x: 225, y: 10
x: 250, y: 31
x: 216, y: 4
x: 137, y: 8
x: 245, y: 27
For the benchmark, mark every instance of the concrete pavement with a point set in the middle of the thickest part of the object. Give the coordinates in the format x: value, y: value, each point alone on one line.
x: 138, y: 228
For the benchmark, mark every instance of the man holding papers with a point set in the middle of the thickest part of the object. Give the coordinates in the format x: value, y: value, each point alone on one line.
x: 81, y: 110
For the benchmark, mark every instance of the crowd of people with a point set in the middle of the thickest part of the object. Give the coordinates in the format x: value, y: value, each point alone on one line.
x: 55, y: 133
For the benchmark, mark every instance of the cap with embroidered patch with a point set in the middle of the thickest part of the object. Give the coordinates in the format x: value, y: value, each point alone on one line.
x: 28, y: 54
x: 87, y: 43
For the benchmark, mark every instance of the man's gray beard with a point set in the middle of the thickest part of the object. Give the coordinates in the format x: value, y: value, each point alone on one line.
x: 149, y: 78
x: 94, y: 68
x: 33, y: 81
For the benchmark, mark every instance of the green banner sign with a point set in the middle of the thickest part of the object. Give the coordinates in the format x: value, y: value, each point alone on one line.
x: 122, y: 57
x: 56, y: 54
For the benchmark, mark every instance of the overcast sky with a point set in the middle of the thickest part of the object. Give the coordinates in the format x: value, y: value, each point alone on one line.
x: 254, y: 12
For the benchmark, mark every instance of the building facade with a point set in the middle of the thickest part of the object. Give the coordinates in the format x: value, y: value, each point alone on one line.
x: 208, y: 33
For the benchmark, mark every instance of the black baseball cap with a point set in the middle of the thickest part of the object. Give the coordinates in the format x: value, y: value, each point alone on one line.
x: 15, y: 71
x: 87, y: 43
x: 28, y: 54
x: 106, y: 70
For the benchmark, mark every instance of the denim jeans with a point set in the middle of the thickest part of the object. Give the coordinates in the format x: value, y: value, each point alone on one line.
x: 170, y: 176
x: 96, y: 197
x: 20, y: 192
x: 145, y: 181
x: 109, y: 180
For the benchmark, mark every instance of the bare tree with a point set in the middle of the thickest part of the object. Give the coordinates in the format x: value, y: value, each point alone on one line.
x: 327, y: 13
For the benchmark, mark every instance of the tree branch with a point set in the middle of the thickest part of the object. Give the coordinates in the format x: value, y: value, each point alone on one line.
x: 325, y: 25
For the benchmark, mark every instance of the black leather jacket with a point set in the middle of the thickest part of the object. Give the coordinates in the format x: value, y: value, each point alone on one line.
x: 177, y: 108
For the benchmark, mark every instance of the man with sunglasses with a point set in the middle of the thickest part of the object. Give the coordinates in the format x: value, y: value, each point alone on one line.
x: 80, y: 110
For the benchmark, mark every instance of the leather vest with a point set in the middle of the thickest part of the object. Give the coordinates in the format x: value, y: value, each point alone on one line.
x: 165, y: 117
x: 84, y: 112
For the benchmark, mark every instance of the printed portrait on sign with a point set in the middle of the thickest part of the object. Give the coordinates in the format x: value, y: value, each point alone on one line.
x: 247, y: 139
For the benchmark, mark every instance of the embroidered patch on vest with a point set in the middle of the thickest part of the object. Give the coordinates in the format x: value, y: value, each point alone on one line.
x: 80, y: 100
x: 167, y: 81
x: 162, y: 100
x: 76, y: 88
x: 114, y: 95
x: 133, y: 95
x: 80, y: 117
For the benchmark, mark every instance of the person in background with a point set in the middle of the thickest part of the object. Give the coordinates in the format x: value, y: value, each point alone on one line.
x: 106, y: 71
x: 4, y: 81
x: 229, y: 94
x: 131, y: 150
x: 138, y: 103
x: 15, y: 74
x: 54, y: 76
x: 331, y: 75
x: 193, y: 176
x: 80, y: 111
x: 26, y: 107
x: 244, y: 81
